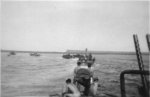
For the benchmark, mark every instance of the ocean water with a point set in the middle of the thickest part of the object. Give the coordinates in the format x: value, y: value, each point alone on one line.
x: 23, y: 75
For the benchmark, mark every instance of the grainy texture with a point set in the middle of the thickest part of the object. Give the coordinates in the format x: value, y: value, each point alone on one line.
x: 25, y: 75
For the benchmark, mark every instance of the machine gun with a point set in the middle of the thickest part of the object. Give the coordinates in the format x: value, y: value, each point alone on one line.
x: 141, y: 70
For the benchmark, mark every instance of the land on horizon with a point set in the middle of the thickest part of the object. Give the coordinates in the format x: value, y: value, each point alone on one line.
x: 77, y: 51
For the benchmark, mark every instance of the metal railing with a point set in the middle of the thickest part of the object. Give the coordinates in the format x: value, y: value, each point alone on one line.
x: 122, y: 80
x: 148, y: 41
x: 141, y: 70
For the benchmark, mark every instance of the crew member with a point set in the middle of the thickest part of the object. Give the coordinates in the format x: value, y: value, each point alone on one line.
x: 70, y: 90
x: 94, y: 87
x: 75, y: 71
x: 77, y: 68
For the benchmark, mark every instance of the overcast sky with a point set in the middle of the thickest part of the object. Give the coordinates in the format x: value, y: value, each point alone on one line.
x: 58, y: 26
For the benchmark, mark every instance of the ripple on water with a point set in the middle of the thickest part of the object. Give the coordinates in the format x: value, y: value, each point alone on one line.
x: 26, y: 75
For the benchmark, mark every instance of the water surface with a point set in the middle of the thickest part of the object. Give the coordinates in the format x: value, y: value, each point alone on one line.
x: 25, y: 75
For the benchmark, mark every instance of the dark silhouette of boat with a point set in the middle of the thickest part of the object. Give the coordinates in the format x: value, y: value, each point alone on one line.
x: 77, y: 55
x: 12, y: 53
x: 67, y: 56
x: 70, y: 56
x: 34, y: 54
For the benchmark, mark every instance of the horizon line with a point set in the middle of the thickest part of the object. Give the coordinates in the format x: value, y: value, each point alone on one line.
x: 94, y: 52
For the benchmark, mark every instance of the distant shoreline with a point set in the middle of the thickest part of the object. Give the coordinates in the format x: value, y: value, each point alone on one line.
x: 93, y: 52
x: 30, y: 51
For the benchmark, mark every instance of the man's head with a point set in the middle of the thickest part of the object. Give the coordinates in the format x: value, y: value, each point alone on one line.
x: 68, y: 81
x: 78, y: 63
x: 89, y: 63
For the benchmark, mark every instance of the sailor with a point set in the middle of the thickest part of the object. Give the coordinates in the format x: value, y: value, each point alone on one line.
x: 91, y: 69
x: 89, y: 57
x: 80, y: 65
x: 70, y: 90
x: 82, y: 78
x: 94, y: 87
x: 76, y: 69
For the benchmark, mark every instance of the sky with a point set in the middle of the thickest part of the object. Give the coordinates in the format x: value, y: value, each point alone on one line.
x: 62, y: 25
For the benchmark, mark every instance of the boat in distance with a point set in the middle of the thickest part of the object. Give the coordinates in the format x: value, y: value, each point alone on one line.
x: 34, y: 54
x: 12, y: 53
